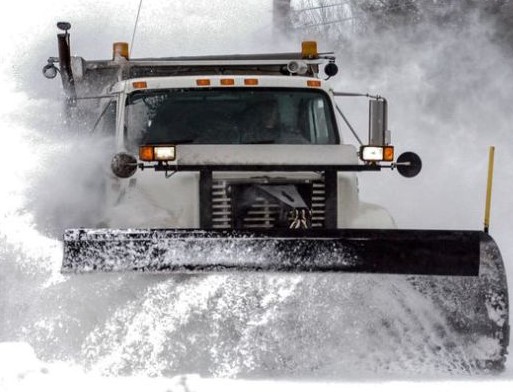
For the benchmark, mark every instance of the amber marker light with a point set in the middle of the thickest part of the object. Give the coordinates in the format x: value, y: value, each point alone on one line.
x: 120, y: 49
x: 227, y: 82
x: 251, y: 82
x: 203, y: 82
x: 388, y: 153
x: 313, y: 83
x: 139, y: 85
x: 309, y: 50
x: 146, y: 153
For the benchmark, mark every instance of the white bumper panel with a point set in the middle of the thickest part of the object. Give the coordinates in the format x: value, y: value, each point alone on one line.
x: 279, y: 154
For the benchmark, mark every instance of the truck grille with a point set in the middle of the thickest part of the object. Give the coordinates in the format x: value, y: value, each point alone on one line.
x: 263, y: 213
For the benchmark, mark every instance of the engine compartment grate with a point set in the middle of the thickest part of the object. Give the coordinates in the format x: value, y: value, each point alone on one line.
x: 263, y: 213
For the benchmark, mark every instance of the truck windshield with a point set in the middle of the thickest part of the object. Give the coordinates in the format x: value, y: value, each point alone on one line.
x: 229, y: 116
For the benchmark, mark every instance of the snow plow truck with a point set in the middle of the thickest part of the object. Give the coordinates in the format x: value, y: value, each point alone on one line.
x: 245, y: 165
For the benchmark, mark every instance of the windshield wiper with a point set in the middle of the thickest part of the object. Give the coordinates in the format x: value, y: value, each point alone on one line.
x: 176, y: 141
x: 269, y: 141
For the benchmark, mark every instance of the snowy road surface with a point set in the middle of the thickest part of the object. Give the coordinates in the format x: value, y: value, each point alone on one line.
x: 58, y: 333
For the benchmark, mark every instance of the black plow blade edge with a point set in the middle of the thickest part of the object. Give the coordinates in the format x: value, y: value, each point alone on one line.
x: 411, y: 252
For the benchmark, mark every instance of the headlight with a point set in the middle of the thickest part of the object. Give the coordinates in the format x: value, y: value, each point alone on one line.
x: 164, y: 153
x: 377, y: 153
x: 157, y: 153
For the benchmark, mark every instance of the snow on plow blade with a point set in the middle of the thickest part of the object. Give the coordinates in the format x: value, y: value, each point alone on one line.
x: 433, y: 301
x: 409, y: 252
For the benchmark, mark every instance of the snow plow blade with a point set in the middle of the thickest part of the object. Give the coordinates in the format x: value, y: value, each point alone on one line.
x: 422, y: 301
x: 408, y: 252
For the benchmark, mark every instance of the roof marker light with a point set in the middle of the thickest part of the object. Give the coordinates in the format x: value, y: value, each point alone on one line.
x: 202, y: 82
x: 141, y: 84
x: 251, y: 82
x: 227, y: 82
x: 313, y: 83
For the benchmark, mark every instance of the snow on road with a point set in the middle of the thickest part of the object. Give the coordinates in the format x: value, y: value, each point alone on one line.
x: 59, y: 333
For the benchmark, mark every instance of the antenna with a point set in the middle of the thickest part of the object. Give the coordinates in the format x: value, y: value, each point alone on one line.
x: 135, y: 28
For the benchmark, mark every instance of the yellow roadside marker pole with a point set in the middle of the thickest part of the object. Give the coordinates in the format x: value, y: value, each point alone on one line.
x: 491, y: 157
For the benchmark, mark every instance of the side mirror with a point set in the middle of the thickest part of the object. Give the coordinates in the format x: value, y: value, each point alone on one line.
x: 409, y: 164
x: 64, y: 26
x: 378, y: 122
x: 50, y: 71
x: 124, y: 165
x: 331, y: 69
